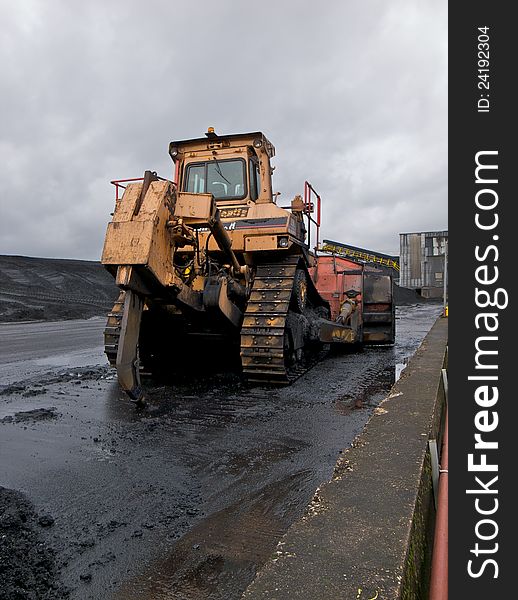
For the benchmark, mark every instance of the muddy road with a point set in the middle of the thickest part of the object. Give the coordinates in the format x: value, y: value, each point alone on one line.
x: 30, y: 350
x: 187, y: 498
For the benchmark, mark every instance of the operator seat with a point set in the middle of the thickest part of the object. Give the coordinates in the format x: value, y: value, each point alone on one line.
x: 218, y: 189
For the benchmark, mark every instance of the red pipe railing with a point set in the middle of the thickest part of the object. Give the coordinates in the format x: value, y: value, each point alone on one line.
x: 439, y: 575
x: 118, y: 184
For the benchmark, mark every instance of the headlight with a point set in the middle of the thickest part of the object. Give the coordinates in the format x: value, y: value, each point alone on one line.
x: 282, y: 241
x: 258, y: 142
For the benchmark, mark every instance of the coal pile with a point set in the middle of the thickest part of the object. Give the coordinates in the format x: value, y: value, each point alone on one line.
x: 47, y: 289
x: 405, y: 296
x: 27, y: 564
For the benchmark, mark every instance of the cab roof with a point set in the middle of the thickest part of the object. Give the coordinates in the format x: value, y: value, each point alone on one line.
x: 213, y: 140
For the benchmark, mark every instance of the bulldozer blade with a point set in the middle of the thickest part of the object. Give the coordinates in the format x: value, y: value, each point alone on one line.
x: 127, y: 352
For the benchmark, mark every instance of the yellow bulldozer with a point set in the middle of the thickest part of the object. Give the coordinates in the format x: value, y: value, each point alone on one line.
x: 210, y: 260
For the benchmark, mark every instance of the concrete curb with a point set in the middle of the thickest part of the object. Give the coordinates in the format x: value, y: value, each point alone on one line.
x: 367, y: 533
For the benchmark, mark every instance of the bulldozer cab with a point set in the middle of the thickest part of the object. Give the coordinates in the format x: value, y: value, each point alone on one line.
x: 235, y: 169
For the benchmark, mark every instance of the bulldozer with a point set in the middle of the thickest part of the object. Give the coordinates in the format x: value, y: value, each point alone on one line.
x: 210, y: 260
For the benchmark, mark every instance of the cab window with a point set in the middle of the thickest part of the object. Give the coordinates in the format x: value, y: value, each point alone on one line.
x: 195, y: 179
x: 224, y: 179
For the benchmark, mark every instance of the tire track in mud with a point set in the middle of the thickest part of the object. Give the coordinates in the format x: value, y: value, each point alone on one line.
x: 220, y: 554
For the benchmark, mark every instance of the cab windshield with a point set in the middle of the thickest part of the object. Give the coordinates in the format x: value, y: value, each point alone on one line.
x: 221, y: 178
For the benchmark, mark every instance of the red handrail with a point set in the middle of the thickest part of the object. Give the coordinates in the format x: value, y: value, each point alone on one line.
x: 117, y: 183
x: 439, y: 575
x: 309, y: 208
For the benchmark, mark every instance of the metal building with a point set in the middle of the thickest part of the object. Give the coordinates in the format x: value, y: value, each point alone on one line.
x: 422, y: 262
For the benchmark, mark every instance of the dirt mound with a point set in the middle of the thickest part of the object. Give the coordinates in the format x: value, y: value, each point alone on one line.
x: 405, y: 296
x: 53, y: 289
x: 27, y: 566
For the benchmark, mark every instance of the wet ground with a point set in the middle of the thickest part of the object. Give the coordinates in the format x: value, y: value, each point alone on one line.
x: 187, y: 498
x: 30, y: 350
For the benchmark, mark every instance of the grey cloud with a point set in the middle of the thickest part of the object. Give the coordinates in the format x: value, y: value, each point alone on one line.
x: 352, y: 94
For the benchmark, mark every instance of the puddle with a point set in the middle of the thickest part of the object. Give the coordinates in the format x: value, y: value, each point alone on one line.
x: 95, y: 356
x: 345, y: 406
x: 368, y: 397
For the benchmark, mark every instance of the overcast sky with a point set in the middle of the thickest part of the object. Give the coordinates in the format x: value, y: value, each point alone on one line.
x: 352, y: 93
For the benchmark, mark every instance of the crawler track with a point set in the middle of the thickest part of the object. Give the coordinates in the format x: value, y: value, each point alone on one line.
x: 275, y: 318
x: 113, y: 329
